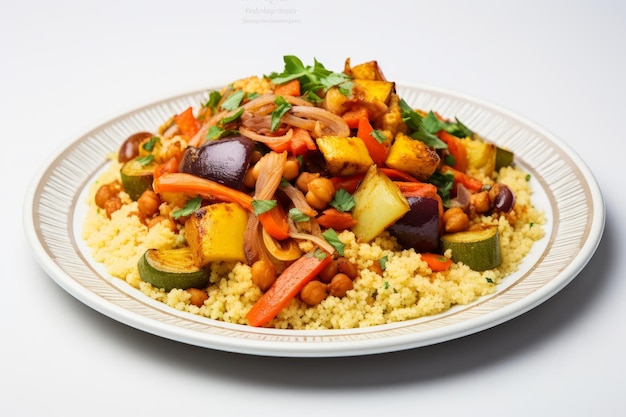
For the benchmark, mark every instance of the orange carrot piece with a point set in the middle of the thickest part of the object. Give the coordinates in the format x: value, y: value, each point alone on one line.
x: 275, y: 223
x: 187, y: 122
x: 353, y: 117
x: 332, y: 218
x: 436, y: 262
x: 290, y: 88
x: 301, y: 142
x: 468, y: 182
x: 457, y: 150
x: 167, y: 167
x: 287, y: 285
x: 377, y: 150
x: 180, y: 182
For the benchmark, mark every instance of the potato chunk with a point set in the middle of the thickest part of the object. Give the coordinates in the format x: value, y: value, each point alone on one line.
x: 216, y: 233
x: 344, y: 156
x: 413, y: 157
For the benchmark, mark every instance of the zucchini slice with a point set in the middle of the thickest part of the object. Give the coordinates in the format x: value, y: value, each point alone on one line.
x: 172, y: 268
x: 504, y: 157
x: 478, y: 248
x: 137, y: 177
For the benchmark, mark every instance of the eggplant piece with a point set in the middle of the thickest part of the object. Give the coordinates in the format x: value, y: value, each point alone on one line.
x: 224, y: 160
x: 419, y: 227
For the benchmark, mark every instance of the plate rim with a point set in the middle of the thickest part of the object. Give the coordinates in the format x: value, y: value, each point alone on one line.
x: 340, y: 347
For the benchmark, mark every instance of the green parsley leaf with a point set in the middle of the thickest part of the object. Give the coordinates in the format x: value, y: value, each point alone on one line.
x: 282, y: 107
x: 444, y: 183
x: 261, y: 206
x: 449, y: 160
x: 415, y: 123
x: 489, y: 280
x: 233, y: 101
x: 214, y: 100
x: 343, y: 200
x: 232, y: 117
x: 252, y: 95
x: 433, y: 125
x: 378, y: 135
x: 297, y: 216
x: 216, y: 132
x: 331, y: 237
x: 149, y: 145
x: 145, y: 160
x: 383, y: 262
x: 191, y: 206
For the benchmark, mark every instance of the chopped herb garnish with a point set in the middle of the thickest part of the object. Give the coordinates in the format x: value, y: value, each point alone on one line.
x: 213, y: 101
x: 444, y: 183
x: 312, y: 78
x: 489, y: 280
x: 530, y: 225
x: 528, y: 177
x: 252, y: 95
x: 145, y: 160
x: 331, y: 237
x: 282, y: 107
x: 386, y: 285
x: 433, y: 125
x: 383, y: 262
x: 318, y: 253
x: 449, y: 160
x: 343, y: 200
x: 233, y: 101
x: 191, y: 206
x: 378, y: 135
x: 297, y: 216
x: 216, y: 132
x: 418, y: 132
x: 261, y: 206
x: 232, y: 117
x: 149, y: 145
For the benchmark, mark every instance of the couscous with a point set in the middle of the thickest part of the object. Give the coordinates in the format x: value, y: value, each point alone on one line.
x: 361, y: 273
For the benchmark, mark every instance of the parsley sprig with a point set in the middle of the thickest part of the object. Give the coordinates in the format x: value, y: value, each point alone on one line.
x: 312, y: 78
x: 415, y: 122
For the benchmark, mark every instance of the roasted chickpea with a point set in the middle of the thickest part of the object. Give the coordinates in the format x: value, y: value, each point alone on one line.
x: 321, y: 192
x: 455, y: 220
x: 479, y: 202
x: 148, y: 203
x: 166, y: 221
x: 346, y: 267
x: 263, y: 274
x: 304, y: 179
x: 328, y: 272
x: 112, y: 205
x: 198, y: 297
x: 104, y: 193
x: 313, y: 293
x: 340, y: 285
x: 292, y: 168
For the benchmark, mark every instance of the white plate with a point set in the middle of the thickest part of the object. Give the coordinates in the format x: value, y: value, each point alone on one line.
x: 564, y: 189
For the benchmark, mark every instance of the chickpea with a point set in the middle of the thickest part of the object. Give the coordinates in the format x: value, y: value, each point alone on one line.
x: 346, y: 267
x: 328, y: 272
x: 304, y: 179
x: 112, y: 205
x: 321, y: 192
x: 167, y: 222
x: 313, y: 293
x: 480, y: 202
x: 148, y: 203
x: 104, y: 193
x: 455, y: 220
x: 263, y: 274
x: 292, y: 168
x: 198, y: 297
x: 340, y: 285
x: 249, y: 179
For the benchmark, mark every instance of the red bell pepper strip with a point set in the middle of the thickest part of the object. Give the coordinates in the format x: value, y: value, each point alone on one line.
x: 187, y: 122
x: 456, y: 149
x: 377, y: 150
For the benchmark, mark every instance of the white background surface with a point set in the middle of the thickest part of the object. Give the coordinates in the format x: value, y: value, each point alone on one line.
x: 68, y: 66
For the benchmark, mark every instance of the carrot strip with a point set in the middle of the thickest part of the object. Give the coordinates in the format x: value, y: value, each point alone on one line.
x: 180, y: 182
x: 332, y: 218
x: 286, y: 286
x: 290, y: 88
x: 354, y: 116
x: 436, y: 262
x: 187, y: 122
x: 377, y: 150
x: 457, y: 150
x: 169, y: 166
x: 275, y: 222
x: 301, y: 142
x: 468, y: 182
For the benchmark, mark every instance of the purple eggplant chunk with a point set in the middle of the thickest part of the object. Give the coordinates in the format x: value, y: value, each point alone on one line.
x: 224, y: 160
x: 419, y: 227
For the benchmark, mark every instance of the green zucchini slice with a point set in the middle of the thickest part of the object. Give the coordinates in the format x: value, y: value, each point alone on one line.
x: 172, y: 268
x: 504, y: 157
x: 479, y: 249
x: 137, y: 177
